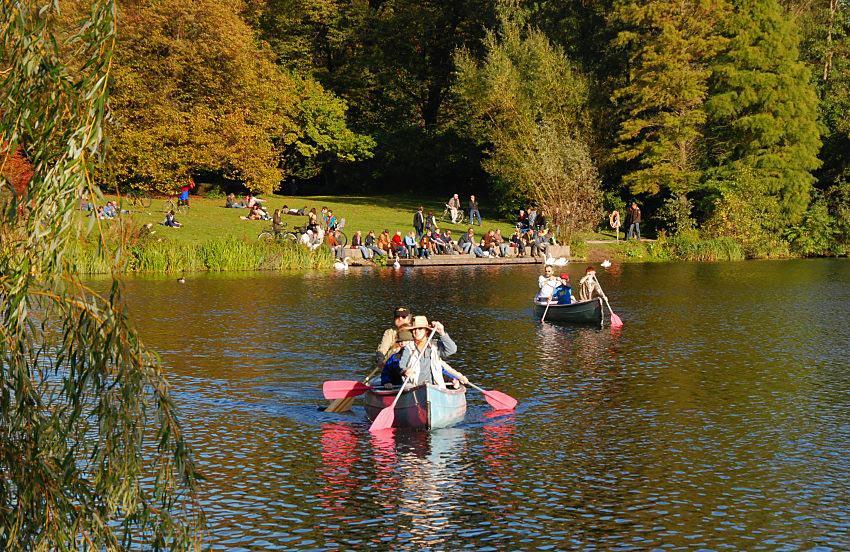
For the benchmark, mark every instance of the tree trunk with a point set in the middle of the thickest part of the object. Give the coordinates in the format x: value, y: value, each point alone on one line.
x: 827, y: 65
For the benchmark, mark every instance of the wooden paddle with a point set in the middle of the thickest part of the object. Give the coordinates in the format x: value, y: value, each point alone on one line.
x: 386, y: 417
x: 344, y: 404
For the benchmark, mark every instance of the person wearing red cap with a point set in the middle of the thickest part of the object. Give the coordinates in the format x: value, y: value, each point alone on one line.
x: 564, y: 292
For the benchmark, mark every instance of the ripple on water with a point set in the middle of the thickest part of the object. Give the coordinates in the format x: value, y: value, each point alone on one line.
x: 716, y: 419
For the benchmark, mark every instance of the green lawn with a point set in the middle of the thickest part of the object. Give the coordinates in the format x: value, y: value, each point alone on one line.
x: 208, y: 218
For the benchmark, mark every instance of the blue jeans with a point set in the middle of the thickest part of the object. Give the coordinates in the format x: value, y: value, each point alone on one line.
x: 364, y: 251
x: 478, y: 252
x: 634, y: 229
x: 474, y: 213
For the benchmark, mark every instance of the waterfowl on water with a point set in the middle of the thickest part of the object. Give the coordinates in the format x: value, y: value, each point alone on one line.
x: 606, y: 263
x: 343, y: 264
x: 560, y: 261
x: 181, y: 280
x: 396, y: 265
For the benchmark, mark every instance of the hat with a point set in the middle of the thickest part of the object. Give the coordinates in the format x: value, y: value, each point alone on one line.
x: 564, y: 276
x: 418, y: 322
x: 404, y: 335
x: 400, y: 311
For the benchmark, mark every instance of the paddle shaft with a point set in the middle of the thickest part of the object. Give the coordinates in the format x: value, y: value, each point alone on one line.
x: 542, y: 318
x: 595, y: 279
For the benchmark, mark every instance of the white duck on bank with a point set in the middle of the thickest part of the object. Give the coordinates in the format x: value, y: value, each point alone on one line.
x: 343, y: 264
x: 606, y: 263
x: 396, y: 265
x: 560, y: 261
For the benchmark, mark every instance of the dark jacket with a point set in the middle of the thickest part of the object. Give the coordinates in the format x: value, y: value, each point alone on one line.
x: 418, y: 220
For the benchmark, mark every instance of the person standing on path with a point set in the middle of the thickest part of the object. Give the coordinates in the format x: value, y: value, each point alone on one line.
x: 419, y: 223
x: 634, y: 221
x: 473, y: 211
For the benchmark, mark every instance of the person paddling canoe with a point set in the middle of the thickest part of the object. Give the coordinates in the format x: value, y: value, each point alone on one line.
x: 401, y: 318
x: 421, y: 360
x: 589, y: 285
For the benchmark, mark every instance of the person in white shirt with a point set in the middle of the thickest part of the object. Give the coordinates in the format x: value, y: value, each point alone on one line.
x: 548, y: 283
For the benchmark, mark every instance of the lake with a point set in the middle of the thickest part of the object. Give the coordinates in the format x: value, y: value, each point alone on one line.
x: 718, y: 417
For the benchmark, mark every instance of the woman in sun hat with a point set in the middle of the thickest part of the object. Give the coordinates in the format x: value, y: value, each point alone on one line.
x: 420, y: 361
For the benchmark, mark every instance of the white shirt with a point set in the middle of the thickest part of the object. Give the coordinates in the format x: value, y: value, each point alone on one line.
x: 548, y: 285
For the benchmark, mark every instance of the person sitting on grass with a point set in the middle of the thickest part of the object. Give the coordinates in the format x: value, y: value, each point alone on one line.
x: 372, y: 243
x: 312, y: 220
x: 313, y: 239
x: 231, y: 203
x: 170, y: 220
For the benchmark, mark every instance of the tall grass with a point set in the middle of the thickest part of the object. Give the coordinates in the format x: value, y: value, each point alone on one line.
x: 217, y: 255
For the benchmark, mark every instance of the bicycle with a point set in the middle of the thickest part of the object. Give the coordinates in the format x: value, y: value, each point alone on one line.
x: 176, y: 204
x: 270, y: 234
x: 447, y: 216
x: 138, y: 198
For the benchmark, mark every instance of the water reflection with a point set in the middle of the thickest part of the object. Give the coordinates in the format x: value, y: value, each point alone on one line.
x: 717, y: 417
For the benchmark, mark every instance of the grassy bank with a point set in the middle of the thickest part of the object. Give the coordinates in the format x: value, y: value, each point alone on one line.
x: 208, y: 218
x: 153, y: 254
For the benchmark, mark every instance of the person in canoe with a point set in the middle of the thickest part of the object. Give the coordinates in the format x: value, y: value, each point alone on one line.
x: 548, y: 283
x: 564, y: 292
x: 401, y: 318
x: 391, y: 372
x: 589, y: 285
x: 421, y: 359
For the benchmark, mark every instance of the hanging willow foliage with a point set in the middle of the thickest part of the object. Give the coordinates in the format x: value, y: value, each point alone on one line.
x: 91, y: 453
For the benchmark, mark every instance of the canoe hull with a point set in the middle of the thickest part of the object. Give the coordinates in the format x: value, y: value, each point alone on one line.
x: 583, y: 312
x: 424, y: 406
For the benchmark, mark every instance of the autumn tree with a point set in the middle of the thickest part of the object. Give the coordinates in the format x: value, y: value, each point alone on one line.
x: 195, y: 90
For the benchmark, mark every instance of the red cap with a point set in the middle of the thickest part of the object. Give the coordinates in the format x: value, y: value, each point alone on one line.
x: 564, y: 276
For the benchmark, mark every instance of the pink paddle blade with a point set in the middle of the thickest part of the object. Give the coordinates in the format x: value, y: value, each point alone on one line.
x: 342, y: 389
x: 384, y: 420
x: 615, y: 321
x: 499, y: 400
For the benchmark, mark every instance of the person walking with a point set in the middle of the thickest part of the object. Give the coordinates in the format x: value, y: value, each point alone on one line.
x: 634, y: 221
x: 473, y: 211
x: 419, y: 223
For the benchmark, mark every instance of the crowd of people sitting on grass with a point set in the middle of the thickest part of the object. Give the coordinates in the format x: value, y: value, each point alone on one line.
x: 530, y: 237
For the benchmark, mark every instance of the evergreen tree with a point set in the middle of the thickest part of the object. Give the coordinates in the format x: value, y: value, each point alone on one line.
x: 763, y: 110
x: 671, y: 44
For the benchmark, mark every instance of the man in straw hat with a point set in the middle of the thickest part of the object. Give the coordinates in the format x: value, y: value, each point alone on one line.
x: 421, y: 359
x: 401, y: 317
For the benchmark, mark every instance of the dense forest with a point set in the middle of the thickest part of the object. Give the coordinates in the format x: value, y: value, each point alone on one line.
x: 723, y: 117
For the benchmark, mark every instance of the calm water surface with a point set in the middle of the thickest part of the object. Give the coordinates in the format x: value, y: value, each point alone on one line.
x: 717, y: 418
